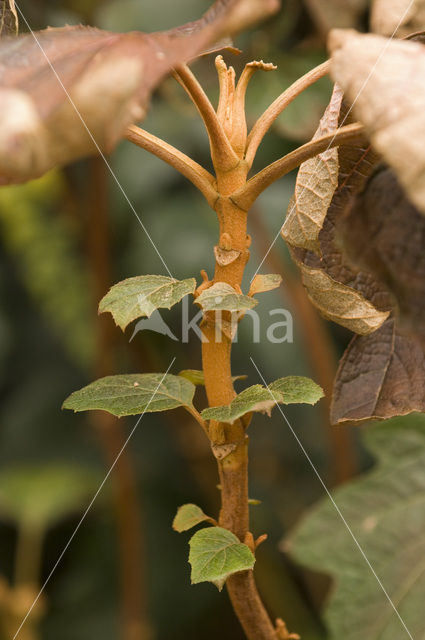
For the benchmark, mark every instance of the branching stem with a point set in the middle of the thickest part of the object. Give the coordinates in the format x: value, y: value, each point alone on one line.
x: 265, y: 121
x: 221, y: 150
x: 190, y: 169
x: 231, y: 196
x: 247, y: 195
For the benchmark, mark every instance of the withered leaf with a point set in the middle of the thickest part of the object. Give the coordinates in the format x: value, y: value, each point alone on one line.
x: 316, y: 183
x: 341, y: 303
x: 262, y: 283
x: 329, y: 14
x: 342, y: 293
x: 386, y: 82
x: 397, y: 17
x: 60, y: 84
x: 383, y: 374
x: 379, y: 376
x: 8, y: 18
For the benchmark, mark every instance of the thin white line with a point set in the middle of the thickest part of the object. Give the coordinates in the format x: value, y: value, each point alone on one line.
x: 387, y: 44
x: 91, y: 503
x: 94, y: 142
x: 333, y: 502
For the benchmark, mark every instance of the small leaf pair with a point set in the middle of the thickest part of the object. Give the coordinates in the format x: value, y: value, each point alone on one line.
x: 215, y: 553
x: 290, y: 390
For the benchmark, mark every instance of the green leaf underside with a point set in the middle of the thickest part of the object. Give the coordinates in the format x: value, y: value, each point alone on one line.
x: 386, y: 512
x: 188, y: 516
x: 140, y: 296
x: 215, y: 554
x: 197, y: 377
x: 222, y: 297
x: 290, y: 390
x: 297, y: 390
x: 132, y: 394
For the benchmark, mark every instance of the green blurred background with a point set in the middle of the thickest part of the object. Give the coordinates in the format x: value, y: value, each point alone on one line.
x: 64, y: 240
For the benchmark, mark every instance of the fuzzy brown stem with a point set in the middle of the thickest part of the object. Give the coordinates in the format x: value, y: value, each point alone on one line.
x: 247, y: 194
x: 222, y: 153
x: 265, y: 121
x: 229, y: 442
x: 190, y: 169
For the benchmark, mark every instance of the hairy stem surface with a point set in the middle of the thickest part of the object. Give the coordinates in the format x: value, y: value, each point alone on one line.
x: 229, y: 442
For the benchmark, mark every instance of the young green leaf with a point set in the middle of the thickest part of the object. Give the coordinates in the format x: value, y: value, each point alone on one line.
x: 297, y: 390
x: 294, y: 389
x: 141, y: 296
x: 255, y: 398
x: 188, y: 516
x: 132, y: 394
x: 215, y: 554
x: 262, y: 283
x: 385, y: 511
x: 197, y: 377
x: 8, y: 18
x: 223, y: 297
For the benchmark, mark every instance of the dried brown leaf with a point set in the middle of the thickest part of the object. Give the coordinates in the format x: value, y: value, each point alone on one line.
x: 316, y: 183
x: 341, y: 292
x: 329, y: 14
x: 386, y: 80
x: 53, y: 81
x: 383, y: 375
x: 340, y: 303
x: 397, y: 17
x: 371, y: 251
x: 8, y: 18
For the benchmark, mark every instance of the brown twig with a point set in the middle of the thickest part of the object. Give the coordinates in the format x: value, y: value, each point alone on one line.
x: 248, y: 193
x: 265, y: 121
x: 190, y: 169
x: 221, y: 150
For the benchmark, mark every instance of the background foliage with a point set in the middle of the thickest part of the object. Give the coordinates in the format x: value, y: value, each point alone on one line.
x: 64, y: 240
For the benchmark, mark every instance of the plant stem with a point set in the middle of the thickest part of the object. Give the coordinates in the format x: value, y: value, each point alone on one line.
x: 229, y: 441
x: 248, y: 193
x: 190, y: 169
x: 222, y: 152
x: 265, y: 121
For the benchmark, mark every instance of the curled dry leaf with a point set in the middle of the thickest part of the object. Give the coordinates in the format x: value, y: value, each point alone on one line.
x: 316, y: 183
x: 342, y: 293
x: 60, y: 84
x: 329, y: 14
x: 383, y: 374
x: 262, y: 283
x: 368, y: 275
x: 8, y: 18
x: 397, y: 17
x: 386, y: 82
